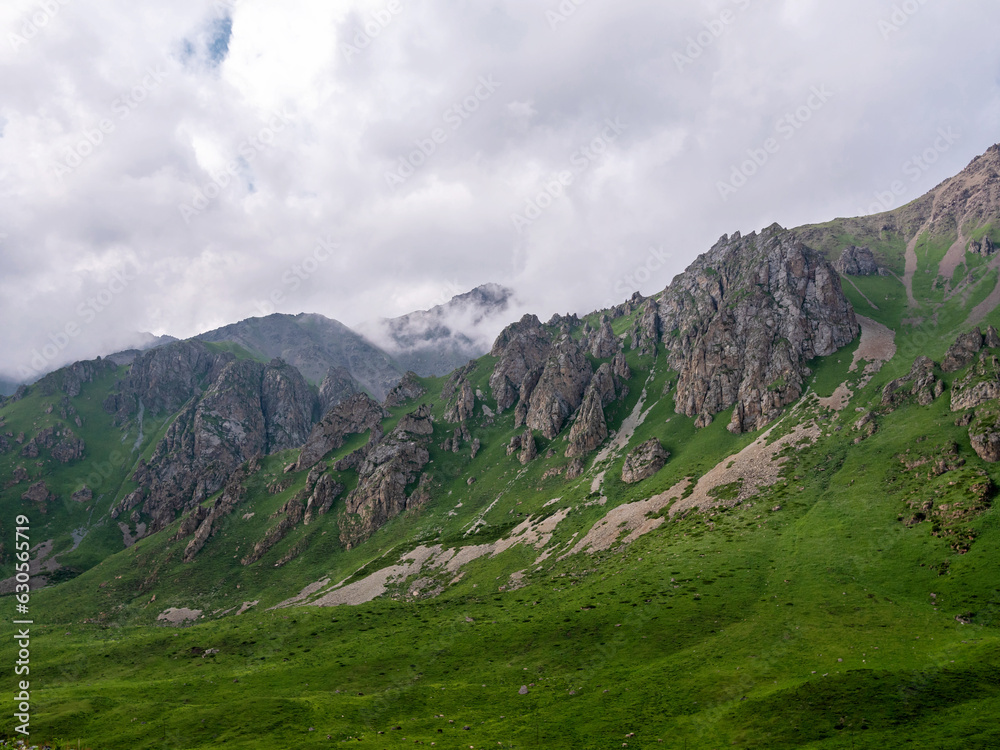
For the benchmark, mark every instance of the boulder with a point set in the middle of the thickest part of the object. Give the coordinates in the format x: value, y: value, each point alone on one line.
x: 644, y: 461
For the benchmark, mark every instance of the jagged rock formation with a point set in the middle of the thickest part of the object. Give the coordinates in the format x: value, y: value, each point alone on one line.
x: 164, y: 379
x: 521, y: 347
x: 383, y: 476
x: 39, y: 494
x: 604, y: 343
x: 60, y: 440
x: 418, y: 422
x: 647, y: 328
x: 858, y: 261
x: 338, y: 385
x: 620, y: 367
x: 248, y: 410
x: 408, y: 389
x: 315, y: 499
x: 921, y: 385
x: 529, y: 450
x: 963, y: 351
x: 460, y: 398
x: 559, y: 389
x: 590, y: 428
x: 202, y: 521
x: 984, y: 247
x: 71, y: 379
x: 984, y: 434
x: 742, y: 322
x: 357, y: 414
x: 644, y: 461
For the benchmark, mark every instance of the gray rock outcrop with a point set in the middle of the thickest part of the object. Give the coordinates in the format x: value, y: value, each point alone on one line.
x: 520, y: 348
x: 644, y: 461
x: 742, y: 322
x: 858, y: 261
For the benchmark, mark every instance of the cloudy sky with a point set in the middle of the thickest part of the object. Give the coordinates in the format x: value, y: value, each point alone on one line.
x: 175, y: 166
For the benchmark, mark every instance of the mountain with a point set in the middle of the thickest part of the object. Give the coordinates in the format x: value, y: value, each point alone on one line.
x: 313, y: 344
x: 755, y: 509
x: 436, y: 341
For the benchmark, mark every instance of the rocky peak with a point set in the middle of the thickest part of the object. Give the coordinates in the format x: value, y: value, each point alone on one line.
x: 164, y: 379
x: 743, y: 320
x: 338, y: 385
x: 408, y: 389
x: 560, y: 387
x: 604, y: 343
x: 590, y: 428
x: 858, y: 261
x: 520, y: 348
x: 355, y: 415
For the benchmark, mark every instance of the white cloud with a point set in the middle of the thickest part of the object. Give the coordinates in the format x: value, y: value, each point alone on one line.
x: 636, y: 213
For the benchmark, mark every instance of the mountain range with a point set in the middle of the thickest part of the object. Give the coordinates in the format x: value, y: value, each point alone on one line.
x: 755, y: 509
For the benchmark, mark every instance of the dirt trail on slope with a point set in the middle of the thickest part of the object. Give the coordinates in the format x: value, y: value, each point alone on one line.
x: 911, y: 266
x: 988, y: 305
x: 952, y: 259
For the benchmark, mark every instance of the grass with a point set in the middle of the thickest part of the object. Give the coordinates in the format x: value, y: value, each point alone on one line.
x: 812, y: 626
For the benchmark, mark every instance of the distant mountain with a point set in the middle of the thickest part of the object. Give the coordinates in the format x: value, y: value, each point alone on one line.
x: 314, y: 344
x: 436, y: 341
x: 146, y: 342
x: 7, y: 387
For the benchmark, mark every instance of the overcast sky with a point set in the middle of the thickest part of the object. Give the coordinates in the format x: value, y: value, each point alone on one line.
x: 175, y: 166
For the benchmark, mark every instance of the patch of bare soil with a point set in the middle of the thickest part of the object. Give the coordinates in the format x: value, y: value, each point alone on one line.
x: 757, y: 466
x: 178, y: 615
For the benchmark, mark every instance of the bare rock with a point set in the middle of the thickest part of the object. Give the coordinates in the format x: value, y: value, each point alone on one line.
x: 462, y: 403
x: 338, y: 385
x: 620, y: 367
x: 418, y: 422
x: 644, y: 461
x: 604, y: 343
x: 574, y: 468
x: 743, y: 321
x: 383, y: 478
x: 520, y: 348
x: 38, y: 493
x: 82, y: 495
x: 921, y: 384
x: 858, y: 261
x: 353, y: 416
x: 560, y: 388
x: 963, y: 351
x: 529, y: 451
x: 590, y: 428
x: 408, y: 389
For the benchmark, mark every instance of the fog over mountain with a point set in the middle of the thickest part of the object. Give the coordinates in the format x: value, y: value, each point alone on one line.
x: 178, y: 167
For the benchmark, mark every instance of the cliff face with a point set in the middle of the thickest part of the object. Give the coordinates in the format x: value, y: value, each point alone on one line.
x: 247, y: 409
x: 742, y: 322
